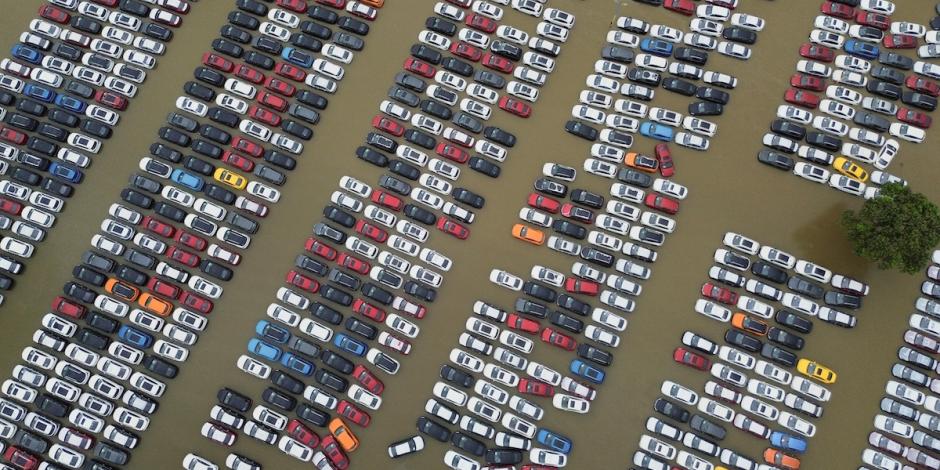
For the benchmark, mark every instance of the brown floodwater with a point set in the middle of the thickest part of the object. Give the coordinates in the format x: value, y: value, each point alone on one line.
x: 729, y: 190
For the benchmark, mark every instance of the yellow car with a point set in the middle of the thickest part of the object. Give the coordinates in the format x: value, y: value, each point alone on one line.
x: 528, y: 234
x: 814, y: 370
x: 848, y: 168
x: 232, y: 179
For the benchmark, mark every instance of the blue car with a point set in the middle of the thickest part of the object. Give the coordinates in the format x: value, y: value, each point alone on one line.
x: 24, y: 52
x: 187, y: 179
x: 787, y: 442
x: 588, y: 372
x: 40, y: 93
x: 268, y: 330
x: 70, y: 104
x: 262, y: 349
x: 861, y: 49
x: 656, y: 131
x: 297, y: 57
x: 65, y: 172
x: 135, y: 337
x: 348, y: 344
x: 656, y: 47
x: 295, y: 363
x: 553, y: 441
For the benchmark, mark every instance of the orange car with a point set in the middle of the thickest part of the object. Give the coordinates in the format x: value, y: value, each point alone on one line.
x: 374, y: 3
x: 528, y: 234
x: 154, y: 304
x: 343, y: 435
x: 121, y: 290
x: 749, y: 324
x: 641, y: 162
x: 781, y: 460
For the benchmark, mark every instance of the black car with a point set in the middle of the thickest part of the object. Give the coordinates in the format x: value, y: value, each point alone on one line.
x: 788, y: 129
x: 98, y: 261
x: 839, y: 299
x: 646, y: 77
x: 743, y: 340
x: 111, y: 454
x: 325, y: 313
x: 314, y: 416
x: 566, y: 322
x: 919, y: 100
x: 779, y: 355
x: 768, y: 271
x: 102, y: 322
x: 246, y: 21
x: 507, y: 50
x: 634, y: 177
x: 806, y: 287
x: 233, y: 399
x: 377, y: 293
x: 279, y: 159
x: 550, y: 187
x: 336, y: 362
x: 705, y: 108
x: 501, y: 456
x: 539, y: 291
x: 220, y: 194
x: 467, y: 443
x: 372, y: 156
x: 79, y: 292
x: 271, y: 46
x: 304, y: 347
x: 707, y: 427
x: 457, y: 66
x: 144, y: 183
x: 468, y: 122
x: 597, y: 256
x: 410, y: 81
x: 456, y: 377
x: 416, y: 290
x: 713, y: 94
x: 587, y: 198
x: 252, y: 6
x: 64, y: 118
x: 228, y: 48
x: 395, y: 185
x: 92, y: 340
x: 160, y: 367
x: 287, y: 382
x: 420, y: 138
x: 353, y: 25
x: 581, y: 130
x: 307, y: 42
x: 887, y: 74
x: 72, y: 54
x: 500, y: 136
x: 595, y: 355
x: 89, y: 276
x: 489, y: 79
x: 570, y: 229
x: 323, y: 14
x: 775, y: 159
x: 426, y: 53
x: 671, y: 410
x: 871, y: 121
x: 781, y: 336
x: 406, y: 170
x: 690, y: 55
x: 620, y: 54
x: 884, y: 89
x: 313, y: 99
x: 431, y: 428
x: 468, y: 197
x: 533, y: 309
x: 347, y: 40
x: 365, y: 330
x: 316, y: 30
x: 738, y: 34
x: 30, y: 442
x: 893, y: 59
x: 140, y: 259
x: 418, y: 214
x: 86, y: 24
x: 484, y: 166
x: 52, y: 406
x: 823, y: 141
x: 336, y: 295
x: 157, y: 31
x: 679, y: 86
x: 57, y: 188
x: 794, y: 321
x: 344, y: 279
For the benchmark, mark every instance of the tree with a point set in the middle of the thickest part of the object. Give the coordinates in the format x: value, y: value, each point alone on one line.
x: 898, y: 229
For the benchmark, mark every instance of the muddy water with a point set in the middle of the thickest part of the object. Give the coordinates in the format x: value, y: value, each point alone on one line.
x: 729, y: 191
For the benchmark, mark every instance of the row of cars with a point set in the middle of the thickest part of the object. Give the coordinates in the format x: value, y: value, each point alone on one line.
x: 869, y: 72
x: 909, y: 414
x: 63, y: 88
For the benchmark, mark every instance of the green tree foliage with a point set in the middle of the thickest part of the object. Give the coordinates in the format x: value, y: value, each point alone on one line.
x: 898, y: 229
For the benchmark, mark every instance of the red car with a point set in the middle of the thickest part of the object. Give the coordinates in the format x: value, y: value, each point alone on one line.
x: 462, y: 49
x: 685, y: 7
x: 333, y: 3
x: 419, y: 67
x: 578, y: 213
x: 68, y: 308
x: 368, y: 310
x: 914, y: 118
x: 301, y: 433
x: 482, y: 23
x: 720, y: 294
x: 922, y: 85
x: 558, y: 339
x: 272, y: 101
x: 20, y: 459
x: 163, y: 288
x: 111, y: 100
x: 875, y: 20
x: 280, y: 86
x: 383, y: 123
x: 452, y: 152
x: 190, y: 240
x: 801, y: 98
x: 238, y: 161
x: 545, y: 203
x: 581, y: 286
x: 517, y: 322
x: 452, y: 228
x: 349, y: 261
x: 300, y: 6
x: 290, y: 71
x: 367, y: 380
x: 303, y: 282
x: 217, y: 62
x: 371, y: 231
x: 662, y: 203
x: 899, y: 41
x: 386, y: 200
x: 817, y: 52
x: 353, y: 413
x: 264, y: 116
x: 329, y: 445
x: 807, y: 82
x: 242, y: 144
x: 158, y: 227
x: 176, y: 253
x: 839, y: 10
x: 12, y: 136
x: 195, y: 302
x: 320, y: 249
x: 514, y: 106
x: 664, y: 157
x: 689, y: 358
x: 249, y: 73
x: 534, y: 387
x: 495, y: 62
x: 10, y: 207
x: 52, y: 13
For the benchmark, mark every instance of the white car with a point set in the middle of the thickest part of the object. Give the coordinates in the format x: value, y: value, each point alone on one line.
x: 831, y: 23
x: 652, y: 62
x: 746, y: 21
x: 458, y: 461
x: 733, y: 49
x: 796, y: 424
x: 852, y: 63
x: 878, y: 6
x: 712, y: 310
x: 826, y: 38
x: 547, y: 457
x: 679, y: 392
x: 812, y: 67
x: 253, y: 367
x: 512, y: 34
x: 666, y: 33
x: 737, y: 357
x: 706, y: 27
x: 792, y: 113
x: 848, y: 185
x: 907, y: 132
x: 893, y: 426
